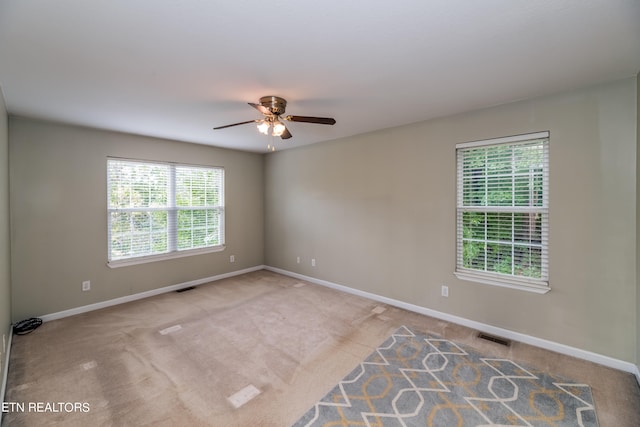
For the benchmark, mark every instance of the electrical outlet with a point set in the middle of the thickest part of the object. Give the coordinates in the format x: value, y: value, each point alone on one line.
x: 445, y: 291
x: 298, y: 260
x: 232, y: 258
x: 86, y: 285
x: 313, y: 262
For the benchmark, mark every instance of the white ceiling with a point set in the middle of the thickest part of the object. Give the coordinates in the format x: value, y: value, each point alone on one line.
x: 176, y: 69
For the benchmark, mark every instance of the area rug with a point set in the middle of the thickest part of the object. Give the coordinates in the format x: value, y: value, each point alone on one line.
x: 416, y: 379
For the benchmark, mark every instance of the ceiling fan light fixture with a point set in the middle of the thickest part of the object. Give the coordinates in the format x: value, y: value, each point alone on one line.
x: 272, y: 109
x: 263, y: 127
x: 278, y: 128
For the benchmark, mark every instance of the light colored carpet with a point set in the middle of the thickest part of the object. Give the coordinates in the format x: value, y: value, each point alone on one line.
x: 193, y: 358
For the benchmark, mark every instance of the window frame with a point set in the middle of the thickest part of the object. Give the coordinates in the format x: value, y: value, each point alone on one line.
x: 530, y: 284
x: 171, y: 208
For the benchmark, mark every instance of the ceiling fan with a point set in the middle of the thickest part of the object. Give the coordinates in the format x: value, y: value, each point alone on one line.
x: 272, y: 108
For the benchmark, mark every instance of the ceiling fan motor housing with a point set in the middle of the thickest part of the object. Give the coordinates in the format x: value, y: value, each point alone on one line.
x: 275, y: 104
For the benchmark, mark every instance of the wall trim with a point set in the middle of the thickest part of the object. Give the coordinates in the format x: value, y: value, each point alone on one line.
x: 146, y: 294
x: 5, y: 371
x: 506, y: 333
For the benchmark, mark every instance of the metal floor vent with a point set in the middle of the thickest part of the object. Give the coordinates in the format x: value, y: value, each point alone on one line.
x: 186, y: 289
x: 495, y: 339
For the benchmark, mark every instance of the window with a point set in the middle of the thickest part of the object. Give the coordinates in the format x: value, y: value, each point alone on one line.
x: 503, y: 211
x: 162, y: 210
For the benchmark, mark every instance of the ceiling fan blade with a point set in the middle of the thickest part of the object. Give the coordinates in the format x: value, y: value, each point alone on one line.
x: 236, y: 124
x: 307, y: 119
x: 286, y: 134
x: 261, y: 108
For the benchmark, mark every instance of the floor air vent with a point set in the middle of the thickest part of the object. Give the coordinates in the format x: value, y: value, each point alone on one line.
x: 186, y: 289
x: 495, y: 339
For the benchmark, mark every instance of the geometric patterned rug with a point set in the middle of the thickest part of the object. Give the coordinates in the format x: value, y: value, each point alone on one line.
x: 423, y: 380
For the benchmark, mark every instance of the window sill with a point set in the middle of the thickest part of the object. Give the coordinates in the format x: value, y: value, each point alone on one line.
x: 537, y: 288
x: 153, y: 258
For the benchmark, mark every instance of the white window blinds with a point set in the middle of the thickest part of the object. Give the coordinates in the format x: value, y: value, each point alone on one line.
x: 163, y: 208
x: 503, y: 209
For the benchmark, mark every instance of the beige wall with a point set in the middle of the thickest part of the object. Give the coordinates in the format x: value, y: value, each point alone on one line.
x: 638, y: 223
x: 58, y: 207
x: 377, y: 212
x: 5, y: 259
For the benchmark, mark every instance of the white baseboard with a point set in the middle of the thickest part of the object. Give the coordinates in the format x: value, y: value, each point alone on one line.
x: 516, y: 336
x: 141, y: 295
x: 5, y: 369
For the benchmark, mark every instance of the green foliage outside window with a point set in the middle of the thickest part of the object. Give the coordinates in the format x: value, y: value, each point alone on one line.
x: 196, y: 191
x: 502, y: 208
x: 158, y: 208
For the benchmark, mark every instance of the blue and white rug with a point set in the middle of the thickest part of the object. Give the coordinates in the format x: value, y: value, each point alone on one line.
x: 423, y: 380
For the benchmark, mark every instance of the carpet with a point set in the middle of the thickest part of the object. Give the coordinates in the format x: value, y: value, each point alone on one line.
x: 416, y: 379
